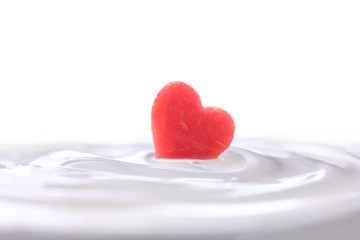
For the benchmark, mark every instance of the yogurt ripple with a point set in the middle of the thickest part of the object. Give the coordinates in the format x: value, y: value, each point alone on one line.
x: 254, y: 188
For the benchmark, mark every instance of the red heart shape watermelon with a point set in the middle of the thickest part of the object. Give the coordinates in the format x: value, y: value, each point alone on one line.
x: 183, y: 128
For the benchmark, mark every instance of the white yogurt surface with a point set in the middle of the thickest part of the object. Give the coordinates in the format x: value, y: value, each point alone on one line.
x: 256, y: 190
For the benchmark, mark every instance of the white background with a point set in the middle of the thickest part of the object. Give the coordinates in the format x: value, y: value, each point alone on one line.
x: 90, y: 70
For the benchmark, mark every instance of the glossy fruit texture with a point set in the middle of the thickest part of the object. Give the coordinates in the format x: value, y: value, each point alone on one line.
x: 183, y: 128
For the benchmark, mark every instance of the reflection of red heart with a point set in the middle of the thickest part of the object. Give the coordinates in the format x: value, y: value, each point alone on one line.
x: 183, y: 128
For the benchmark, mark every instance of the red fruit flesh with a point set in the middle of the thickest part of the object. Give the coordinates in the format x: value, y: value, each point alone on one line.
x: 183, y: 128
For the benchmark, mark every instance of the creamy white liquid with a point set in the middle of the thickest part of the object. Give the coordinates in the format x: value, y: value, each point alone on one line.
x: 255, y: 190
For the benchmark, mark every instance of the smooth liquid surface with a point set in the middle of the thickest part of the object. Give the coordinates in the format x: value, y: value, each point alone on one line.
x: 255, y: 186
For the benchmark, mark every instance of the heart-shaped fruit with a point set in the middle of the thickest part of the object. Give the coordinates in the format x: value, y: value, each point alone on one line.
x: 183, y: 128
